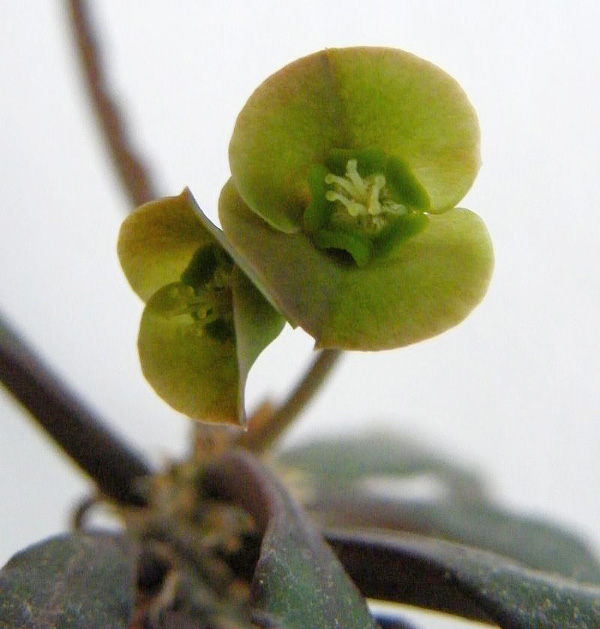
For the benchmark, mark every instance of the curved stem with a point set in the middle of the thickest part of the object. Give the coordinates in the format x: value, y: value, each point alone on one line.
x: 264, y: 429
x: 132, y: 171
x: 73, y: 426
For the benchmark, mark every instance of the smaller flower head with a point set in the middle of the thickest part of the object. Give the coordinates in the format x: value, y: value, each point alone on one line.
x: 204, y: 323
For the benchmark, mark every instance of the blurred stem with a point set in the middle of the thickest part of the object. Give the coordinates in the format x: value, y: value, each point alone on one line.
x: 132, y: 171
x: 265, y: 428
x: 73, y: 426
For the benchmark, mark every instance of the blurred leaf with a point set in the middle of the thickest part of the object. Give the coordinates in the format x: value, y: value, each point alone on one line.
x: 460, y: 514
x: 341, y: 461
x: 392, y: 621
x: 72, y: 582
x: 297, y: 578
x: 457, y: 579
x: 536, y: 544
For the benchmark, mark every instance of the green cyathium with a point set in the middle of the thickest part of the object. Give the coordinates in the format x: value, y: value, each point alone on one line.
x: 207, y: 292
x: 204, y: 323
x: 352, y: 161
x: 363, y: 203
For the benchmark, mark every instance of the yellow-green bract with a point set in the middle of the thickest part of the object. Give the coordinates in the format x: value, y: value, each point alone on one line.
x: 346, y: 169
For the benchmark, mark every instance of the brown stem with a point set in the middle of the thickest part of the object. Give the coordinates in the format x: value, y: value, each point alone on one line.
x: 265, y: 428
x: 132, y: 171
x: 73, y: 426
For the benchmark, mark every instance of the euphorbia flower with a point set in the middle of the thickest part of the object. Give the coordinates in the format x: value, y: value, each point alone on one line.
x: 204, y: 323
x: 346, y: 167
x: 339, y: 215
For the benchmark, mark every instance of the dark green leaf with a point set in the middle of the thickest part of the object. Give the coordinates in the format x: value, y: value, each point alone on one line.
x: 460, y: 513
x: 297, y: 578
x: 461, y: 580
x: 70, y: 581
x: 343, y: 461
x: 533, y: 543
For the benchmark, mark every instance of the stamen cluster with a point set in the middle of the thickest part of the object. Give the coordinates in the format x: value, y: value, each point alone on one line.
x: 365, y: 199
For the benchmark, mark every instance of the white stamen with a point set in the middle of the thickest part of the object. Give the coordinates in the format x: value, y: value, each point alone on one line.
x: 352, y: 173
x: 341, y: 182
x: 360, y: 197
x: 330, y: 195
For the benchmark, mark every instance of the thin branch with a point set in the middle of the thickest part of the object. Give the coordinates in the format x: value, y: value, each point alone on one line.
x: 264, y: 429
x: 132, y: 171
x: 77, y: 430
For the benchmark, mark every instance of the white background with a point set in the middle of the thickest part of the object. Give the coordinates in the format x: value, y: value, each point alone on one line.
x: 514, y: 391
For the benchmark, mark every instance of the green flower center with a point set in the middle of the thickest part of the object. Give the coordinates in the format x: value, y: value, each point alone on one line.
x: 363, y: 203
x: 205, y: 292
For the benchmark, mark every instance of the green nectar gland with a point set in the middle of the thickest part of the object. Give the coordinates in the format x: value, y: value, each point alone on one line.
x: 363, y: 203
x: 204, y: 293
